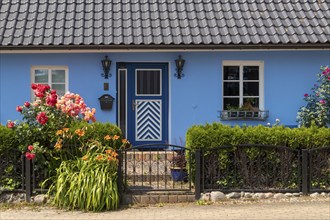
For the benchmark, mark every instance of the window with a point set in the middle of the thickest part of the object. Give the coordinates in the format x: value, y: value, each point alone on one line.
x: 56, y: 77
x: 242, y: 84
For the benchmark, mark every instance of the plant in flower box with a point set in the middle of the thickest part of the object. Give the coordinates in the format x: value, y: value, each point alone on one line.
x: 179, y: 167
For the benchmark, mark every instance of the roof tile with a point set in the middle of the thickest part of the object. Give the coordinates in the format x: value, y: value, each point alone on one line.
x: 42, y: 22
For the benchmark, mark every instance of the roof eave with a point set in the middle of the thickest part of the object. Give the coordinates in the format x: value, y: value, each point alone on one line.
x: 172, y: 47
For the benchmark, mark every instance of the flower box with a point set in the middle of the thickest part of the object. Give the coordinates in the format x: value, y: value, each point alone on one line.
x: 244, y: 115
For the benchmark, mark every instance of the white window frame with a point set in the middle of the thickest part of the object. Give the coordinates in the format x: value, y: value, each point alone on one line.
x: 49, y: 68
x: 242, y: 63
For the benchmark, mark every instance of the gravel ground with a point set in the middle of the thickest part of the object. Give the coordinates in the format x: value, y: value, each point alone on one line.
x: 291, y: 208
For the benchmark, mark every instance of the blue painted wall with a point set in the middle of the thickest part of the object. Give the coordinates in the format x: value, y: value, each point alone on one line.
x: 195, y: 99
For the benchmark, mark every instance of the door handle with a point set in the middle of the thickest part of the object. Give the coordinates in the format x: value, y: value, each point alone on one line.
x: 134, y: 104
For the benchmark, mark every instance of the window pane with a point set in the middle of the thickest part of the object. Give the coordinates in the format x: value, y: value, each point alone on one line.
x: 230, y: 103
x: 231, y: 89
x: 251, y: 72
x: 60, y: 89
x: 58, y: 76
x: 41, y: 76
x: 231, y: 72
x: 148, y: 82
x: 251, y: 102
x: 251, y: 89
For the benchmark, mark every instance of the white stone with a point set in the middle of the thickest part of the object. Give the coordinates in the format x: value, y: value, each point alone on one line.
x: 40, y: 199
x: 279, y: 196
x: 259, y: 195
x: 248, y: 195
x: 233, y: 195
x: 269, y: 195
x: 205, y: 196
x: 217, y: 196
x: 296, y: 194
x: 242, y: 194
x: 288, y: 194
x: 315, y: 194
x: 323, y: 194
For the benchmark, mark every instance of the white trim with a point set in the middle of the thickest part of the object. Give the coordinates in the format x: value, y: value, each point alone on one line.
x: 161, y: 81
x: 242, y: 63
x: 144, y: 50
x: 169, y: 129
x: 49, y: 68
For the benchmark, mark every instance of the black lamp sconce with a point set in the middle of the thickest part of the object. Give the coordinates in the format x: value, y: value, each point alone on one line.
x: 179, y: 67
x: 106, y: 63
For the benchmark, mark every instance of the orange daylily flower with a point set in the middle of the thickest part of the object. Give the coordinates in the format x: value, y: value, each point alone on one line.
x: 85, y: 157
x: 116, y: 137
x: 59, y: 132
x: 80, y: 132
x: 99, y: 157
x: 66, y: 129
x: 114, y: 154
x: 108, y: 137
x: 108, y: 151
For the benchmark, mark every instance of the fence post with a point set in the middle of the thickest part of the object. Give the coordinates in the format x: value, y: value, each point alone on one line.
x: 198, y: 174
x: 304, y: 170
x: 120, y: 175
x: 28, y: 185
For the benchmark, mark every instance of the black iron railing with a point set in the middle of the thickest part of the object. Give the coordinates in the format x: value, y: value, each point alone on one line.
x: 155, y: 167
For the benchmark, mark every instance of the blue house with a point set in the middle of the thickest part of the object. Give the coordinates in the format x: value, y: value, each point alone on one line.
x: 167, y: 64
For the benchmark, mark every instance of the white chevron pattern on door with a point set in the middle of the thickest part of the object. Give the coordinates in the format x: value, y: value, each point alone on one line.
x: 148, y: 120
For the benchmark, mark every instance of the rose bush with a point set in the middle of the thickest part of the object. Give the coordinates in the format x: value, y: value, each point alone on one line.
x: 42, y: 118
x: 317, y: 110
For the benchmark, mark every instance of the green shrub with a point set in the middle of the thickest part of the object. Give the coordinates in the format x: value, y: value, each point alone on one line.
x: 217, y: 134
x: 9, y: 178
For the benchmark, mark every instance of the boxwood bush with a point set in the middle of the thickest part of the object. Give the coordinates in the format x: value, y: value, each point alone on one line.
x: 217, y: 134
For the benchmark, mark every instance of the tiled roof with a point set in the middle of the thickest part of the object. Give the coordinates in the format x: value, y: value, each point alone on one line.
x: 51, y: 23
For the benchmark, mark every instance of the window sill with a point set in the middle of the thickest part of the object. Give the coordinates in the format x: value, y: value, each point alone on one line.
x: 243, y: 115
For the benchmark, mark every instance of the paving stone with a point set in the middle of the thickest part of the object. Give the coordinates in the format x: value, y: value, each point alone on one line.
x: 154, y: 199
x: 163, y: 199
x: 145, y: 199
x: 191, y: 198
x: 182, y: 198
x: 172, y: 198
x: 136, y: 199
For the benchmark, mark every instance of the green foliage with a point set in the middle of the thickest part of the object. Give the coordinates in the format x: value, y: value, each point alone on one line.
x: 317, y: 109
x: 217, y: 134
x: 88, y: 183
x: 9, y: 179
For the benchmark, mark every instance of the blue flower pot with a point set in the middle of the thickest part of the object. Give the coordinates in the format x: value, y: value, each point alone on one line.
x: 179, y: 175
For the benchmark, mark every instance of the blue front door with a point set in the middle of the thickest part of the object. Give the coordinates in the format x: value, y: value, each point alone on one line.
x: 147, y: 103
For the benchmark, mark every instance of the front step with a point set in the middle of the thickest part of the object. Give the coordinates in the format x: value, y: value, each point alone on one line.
x: 157, y: 197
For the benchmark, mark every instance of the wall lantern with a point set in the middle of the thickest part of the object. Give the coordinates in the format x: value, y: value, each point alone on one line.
x: 179, y: 67
x: 106, y: 63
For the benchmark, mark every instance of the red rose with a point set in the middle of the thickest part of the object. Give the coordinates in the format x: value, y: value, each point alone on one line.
x: 19, y: 108
x: 27, y: 104
x: 30, y: 148
x: 53, y: 91
x: 42, y: 118
x: 306, y: 95
x: 10, y: 124
x: 34, y: 86
x: 30, y: 156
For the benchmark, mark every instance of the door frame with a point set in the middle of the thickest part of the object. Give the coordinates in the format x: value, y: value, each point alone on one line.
x: 118, y: 68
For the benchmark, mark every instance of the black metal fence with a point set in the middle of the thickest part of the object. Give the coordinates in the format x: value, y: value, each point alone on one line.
x: 166, y: 167
x: 155, y: 167
x: 260, y: 168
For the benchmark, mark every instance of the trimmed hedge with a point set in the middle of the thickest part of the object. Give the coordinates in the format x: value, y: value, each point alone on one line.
x: 217, y: 134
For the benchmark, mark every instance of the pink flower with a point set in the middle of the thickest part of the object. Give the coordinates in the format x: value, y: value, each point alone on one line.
x: 30, y: 156
x: 326, y: 71
x: 30, y: 148
x: 42, y: 118
x: 10, y: 124
x: 322, y: 101
x: 27, y: 104
x: 19, y: 108
x: 305, y: 95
